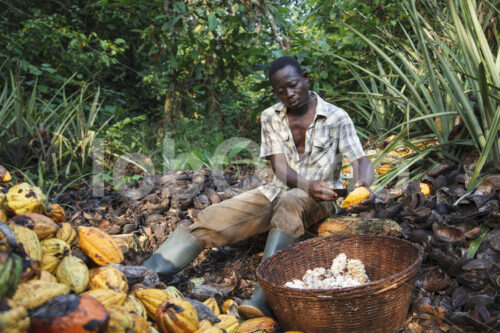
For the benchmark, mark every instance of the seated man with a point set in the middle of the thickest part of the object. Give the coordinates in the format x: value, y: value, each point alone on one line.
x: 305, y: 138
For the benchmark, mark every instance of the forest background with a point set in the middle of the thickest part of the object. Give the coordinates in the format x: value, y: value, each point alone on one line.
x: 132, y: 73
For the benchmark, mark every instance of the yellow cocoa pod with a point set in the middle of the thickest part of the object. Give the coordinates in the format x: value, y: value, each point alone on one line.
x: 55, y: 247
x: 99, y: 246
x: 133, y: 304
x: 204, y: 324
x: 3, y: 197
x: 212, y: 304
x: 24, y: 198
x: 123, y: 321
x: 53, y: 250
x: 228, y: 323
x: 230, y: 307
x: 107, y: 297
x: 177, y: 315
x: 210, y: 329
x: 42, y: 225
x: 383, y: 168
x: 47, y: 277
x: 425, y: 188
x: 3, y: 214
x: 151, y: 298
x: 66, y: 233
x: 108, y: 277
x: 261, y: 324
x: 13, y: 318
x: 356, y: 196
x: 34, y: 293
x: 4, y: 175
x: 56, y: 212
x: 29, y: 240
x: 73, y: 272
x: 50, y: 263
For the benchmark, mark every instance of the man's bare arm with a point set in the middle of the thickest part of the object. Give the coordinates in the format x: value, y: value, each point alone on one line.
x: 363, y: 171
x: 319, y: 190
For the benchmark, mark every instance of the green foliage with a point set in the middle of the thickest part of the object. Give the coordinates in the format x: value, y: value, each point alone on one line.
x: 53, y: 135
x: 195, y: 72
x: 48, y: 42
x: 434, y: 72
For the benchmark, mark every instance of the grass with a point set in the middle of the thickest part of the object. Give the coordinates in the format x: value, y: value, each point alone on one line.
x: 423, y: 82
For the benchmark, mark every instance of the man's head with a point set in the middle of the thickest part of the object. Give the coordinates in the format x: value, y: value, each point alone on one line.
x: 289, y: 83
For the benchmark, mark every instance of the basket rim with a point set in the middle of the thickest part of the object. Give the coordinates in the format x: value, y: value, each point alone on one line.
x: 372, y: 286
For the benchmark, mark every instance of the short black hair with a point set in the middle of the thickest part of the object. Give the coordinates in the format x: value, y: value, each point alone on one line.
x: 282, y: 62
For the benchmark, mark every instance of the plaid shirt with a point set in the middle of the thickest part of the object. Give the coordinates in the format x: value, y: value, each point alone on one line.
x: 330, y: 136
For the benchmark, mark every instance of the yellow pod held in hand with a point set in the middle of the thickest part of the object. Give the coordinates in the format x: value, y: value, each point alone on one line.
x: 355, y: 197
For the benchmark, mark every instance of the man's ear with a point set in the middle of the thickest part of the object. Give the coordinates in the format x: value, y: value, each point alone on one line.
x: 305, y: 76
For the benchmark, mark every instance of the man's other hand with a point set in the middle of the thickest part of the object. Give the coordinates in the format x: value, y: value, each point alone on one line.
x: 365, y: 204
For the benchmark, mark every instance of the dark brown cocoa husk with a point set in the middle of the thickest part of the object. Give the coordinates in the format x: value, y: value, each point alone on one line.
x: 448, y: 234
x: 473, y: 233
x: 476, y: 264
x: 436, y: 280
x: 389, y: 212
x: 441, y: 169
x: 483, y: 300
x: 460, y: 297
x: 492, y: 240
x: 420, y: 236
x: 475, y: 280
x: 212, y: 196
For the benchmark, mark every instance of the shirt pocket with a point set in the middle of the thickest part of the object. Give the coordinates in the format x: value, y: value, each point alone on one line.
x: 285, y: 143
x: 324, y: 149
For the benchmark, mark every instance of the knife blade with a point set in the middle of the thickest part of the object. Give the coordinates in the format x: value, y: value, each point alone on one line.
x: 342, y: 192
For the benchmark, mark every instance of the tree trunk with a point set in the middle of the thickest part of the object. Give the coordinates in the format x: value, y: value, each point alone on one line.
x: 284, y: 43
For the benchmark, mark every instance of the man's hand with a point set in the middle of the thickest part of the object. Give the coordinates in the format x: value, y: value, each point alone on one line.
x: 363, y: 173
x: 366, y: 203
x: 320, y: 191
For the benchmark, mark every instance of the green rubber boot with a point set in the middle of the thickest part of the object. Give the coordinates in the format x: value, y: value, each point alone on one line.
x: 180, y: 248
x: 258, y: 306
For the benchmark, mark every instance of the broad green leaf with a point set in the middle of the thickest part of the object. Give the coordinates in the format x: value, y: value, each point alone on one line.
x: 212, y: 21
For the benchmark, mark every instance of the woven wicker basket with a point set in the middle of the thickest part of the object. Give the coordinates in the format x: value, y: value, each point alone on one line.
x: 379, y: 306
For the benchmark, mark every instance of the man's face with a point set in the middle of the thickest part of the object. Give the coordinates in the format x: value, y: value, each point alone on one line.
x: 290, y: 87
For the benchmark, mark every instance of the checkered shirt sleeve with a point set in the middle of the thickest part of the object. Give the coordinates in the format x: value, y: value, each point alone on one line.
x: 270, y: 140
x: 349, y: 144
